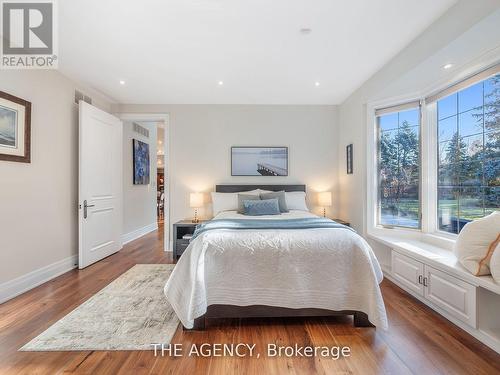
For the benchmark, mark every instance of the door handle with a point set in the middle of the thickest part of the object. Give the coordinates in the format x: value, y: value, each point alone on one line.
x: 425, y: 282
x: 85, y: 206
x: 420, y: 279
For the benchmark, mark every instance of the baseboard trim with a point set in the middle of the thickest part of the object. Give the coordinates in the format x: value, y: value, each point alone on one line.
x: 128, y: 237
x: 22, y: 284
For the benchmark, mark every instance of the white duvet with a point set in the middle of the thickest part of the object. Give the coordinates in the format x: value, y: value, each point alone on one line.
x: 332, y: 269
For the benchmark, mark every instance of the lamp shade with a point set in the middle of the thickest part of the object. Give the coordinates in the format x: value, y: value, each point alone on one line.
x: 196, y: 200
x: 325, y: 199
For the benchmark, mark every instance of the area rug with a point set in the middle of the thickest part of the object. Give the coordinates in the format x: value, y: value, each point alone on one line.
x: 131, y: 313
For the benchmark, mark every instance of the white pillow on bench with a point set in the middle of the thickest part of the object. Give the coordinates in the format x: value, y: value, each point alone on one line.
x: 476, y: 242
x: 495, y: 264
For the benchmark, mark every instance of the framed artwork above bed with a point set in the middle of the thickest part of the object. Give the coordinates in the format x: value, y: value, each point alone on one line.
x: 259, y: 161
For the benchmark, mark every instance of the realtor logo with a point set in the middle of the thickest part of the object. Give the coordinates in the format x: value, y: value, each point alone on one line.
x: 28, y: 34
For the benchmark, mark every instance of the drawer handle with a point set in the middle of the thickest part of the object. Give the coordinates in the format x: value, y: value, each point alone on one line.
x: 420, y: 279
x: 425, y: 281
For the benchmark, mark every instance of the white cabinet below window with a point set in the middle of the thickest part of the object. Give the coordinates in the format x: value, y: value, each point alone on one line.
x: 456, y: 297
x: 408, y: 271
x: 453, y: 295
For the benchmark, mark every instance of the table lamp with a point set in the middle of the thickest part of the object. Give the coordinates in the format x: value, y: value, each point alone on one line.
x: 196, y: 201
x: 325, y: 200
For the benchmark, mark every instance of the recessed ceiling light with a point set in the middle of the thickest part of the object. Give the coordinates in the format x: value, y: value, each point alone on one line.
x: 220, y: 83
x: 305, y: 30
x: 316, y: 83
x: 447, y: 66
x: 122, y: 82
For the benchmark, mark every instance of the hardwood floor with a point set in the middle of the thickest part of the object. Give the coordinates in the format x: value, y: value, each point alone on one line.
x: 418, y: 341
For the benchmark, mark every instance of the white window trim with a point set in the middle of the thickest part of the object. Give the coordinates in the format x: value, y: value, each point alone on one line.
x: 429, y: 158
x: 429, y: 231
x: 373, y: 229
x: 406, y: 105
x: 428, y: 179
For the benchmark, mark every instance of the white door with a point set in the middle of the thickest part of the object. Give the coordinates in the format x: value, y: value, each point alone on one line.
x: 409, y: 272
x: 100, y: 184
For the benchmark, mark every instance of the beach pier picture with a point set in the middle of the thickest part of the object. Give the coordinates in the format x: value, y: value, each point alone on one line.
x: 259, y: 161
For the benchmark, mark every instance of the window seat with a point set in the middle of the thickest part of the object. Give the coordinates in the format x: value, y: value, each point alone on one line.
x: 440, y: 258
x: 433, y: 275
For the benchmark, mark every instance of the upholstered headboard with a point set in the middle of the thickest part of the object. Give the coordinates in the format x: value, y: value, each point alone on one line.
x: 236, y: 188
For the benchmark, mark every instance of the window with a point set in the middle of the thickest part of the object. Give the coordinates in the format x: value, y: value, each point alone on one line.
x: 437, y: 164
x: 468, y: 132
x: 398, y: 131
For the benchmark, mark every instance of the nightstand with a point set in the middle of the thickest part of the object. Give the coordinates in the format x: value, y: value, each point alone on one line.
x: 182, y: 228
x: 340, y: 221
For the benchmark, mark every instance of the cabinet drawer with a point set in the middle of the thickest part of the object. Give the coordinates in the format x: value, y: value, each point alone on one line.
x: 456, y: 297
x: 408, y: 271
x: 183, y: 242
x: 181, y: 247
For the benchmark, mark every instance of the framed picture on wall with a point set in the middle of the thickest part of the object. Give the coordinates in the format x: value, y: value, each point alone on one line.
x: 349, y: 158
x: 259, y: 161
x: 141, y: 162
x: 15, y: 128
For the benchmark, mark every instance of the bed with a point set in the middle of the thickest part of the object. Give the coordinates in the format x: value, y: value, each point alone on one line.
x: 276, y: 268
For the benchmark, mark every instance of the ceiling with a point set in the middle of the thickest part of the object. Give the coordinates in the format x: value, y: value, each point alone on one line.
x: 177, y: 51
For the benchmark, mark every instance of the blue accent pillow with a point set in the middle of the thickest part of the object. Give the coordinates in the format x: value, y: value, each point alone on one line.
x: 261, y: 207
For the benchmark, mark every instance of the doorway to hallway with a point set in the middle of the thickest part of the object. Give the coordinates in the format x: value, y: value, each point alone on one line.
x: 146, y: 176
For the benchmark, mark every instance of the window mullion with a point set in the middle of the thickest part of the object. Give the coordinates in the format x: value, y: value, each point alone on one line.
x: 429, y: 168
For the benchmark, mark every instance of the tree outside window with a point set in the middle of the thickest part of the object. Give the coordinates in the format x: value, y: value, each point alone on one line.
x: 399, y: 168
x: 468, y: 154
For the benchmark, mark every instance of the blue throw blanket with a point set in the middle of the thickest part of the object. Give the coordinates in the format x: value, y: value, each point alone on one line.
x: 242, y: 224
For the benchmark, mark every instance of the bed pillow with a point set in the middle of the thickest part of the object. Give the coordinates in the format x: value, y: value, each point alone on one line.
x: 296, y: 200
x: 224, y: 202
x: 280, y: 195
x: 495, y: 264
x: 476, y: 242
x: 245, y: 197
x: 265, y: 191
x: 228, y: 201
x: 251, y: 192
x: 261, y: 207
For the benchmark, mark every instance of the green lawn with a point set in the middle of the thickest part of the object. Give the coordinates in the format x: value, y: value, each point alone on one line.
x: 469, y: 208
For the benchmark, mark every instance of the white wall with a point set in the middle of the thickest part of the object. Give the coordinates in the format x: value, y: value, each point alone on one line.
x: 139, y: 201
x: 201, y: 137
x: 38, y: 201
